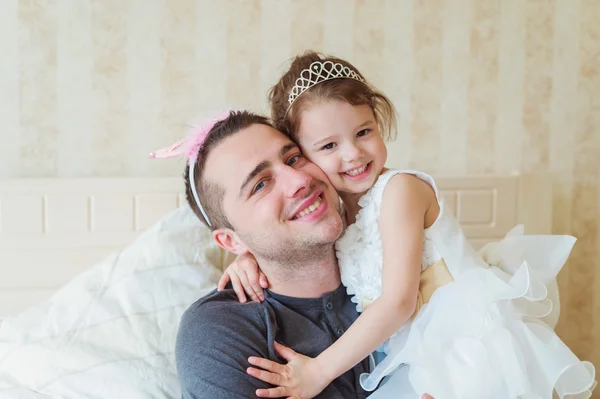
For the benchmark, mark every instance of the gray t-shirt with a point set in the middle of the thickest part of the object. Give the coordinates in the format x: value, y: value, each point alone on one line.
x: 217, y: 334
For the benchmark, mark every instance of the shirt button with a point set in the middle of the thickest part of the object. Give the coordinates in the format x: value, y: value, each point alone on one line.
x: 340, y: 331
x: 329, y: 305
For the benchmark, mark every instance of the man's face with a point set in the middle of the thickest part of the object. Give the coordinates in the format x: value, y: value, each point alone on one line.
x: 280, y: 204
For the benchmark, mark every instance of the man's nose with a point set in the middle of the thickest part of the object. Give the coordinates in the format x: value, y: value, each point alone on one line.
x: 295, y: 181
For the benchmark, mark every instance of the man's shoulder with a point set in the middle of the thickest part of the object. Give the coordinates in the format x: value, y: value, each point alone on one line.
x: 216, y: 336
x: 221, y: 308
x: 217, y: 303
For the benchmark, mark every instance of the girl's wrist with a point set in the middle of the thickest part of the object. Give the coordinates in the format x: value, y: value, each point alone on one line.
x: 325, y: 369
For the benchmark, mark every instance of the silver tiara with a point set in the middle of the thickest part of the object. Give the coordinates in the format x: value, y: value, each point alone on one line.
x: 319, y: 72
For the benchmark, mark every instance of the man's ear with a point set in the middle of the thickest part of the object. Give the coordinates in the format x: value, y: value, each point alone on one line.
x: 229, y: 241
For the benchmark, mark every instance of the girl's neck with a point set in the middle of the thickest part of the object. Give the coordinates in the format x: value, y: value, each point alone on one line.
x: 351, y: 207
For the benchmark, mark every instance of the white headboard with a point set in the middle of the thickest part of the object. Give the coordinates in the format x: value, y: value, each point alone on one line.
x: 52, y: 229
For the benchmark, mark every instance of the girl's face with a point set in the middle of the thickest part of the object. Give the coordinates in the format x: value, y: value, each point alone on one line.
x: 344, y: 141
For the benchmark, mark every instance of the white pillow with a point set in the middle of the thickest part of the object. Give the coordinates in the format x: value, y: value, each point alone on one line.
x: 110, y: 333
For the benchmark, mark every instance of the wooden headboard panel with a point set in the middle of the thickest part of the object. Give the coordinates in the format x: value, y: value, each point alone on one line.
x: 53, y: 229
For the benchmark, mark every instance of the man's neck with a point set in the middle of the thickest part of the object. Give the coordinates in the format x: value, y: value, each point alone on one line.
x: 310, y: 278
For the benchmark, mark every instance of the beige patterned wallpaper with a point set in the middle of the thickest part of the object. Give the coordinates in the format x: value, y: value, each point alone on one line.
x: 89, y: 87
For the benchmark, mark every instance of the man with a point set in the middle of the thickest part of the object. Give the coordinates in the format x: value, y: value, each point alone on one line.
x: 262, y: 196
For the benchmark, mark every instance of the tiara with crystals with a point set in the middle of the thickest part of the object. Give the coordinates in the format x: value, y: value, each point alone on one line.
x: 320, y: 72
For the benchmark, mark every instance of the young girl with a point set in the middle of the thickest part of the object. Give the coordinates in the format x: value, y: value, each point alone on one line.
x: 427, y: 299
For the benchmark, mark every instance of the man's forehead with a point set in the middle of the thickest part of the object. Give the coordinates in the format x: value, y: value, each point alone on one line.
x: 237, y: 155
x: 252, y: 143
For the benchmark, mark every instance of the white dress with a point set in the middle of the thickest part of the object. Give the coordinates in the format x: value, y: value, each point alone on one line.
x: 479, y: 336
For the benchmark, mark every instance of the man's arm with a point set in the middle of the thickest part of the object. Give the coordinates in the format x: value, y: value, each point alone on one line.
x: 213, y: 346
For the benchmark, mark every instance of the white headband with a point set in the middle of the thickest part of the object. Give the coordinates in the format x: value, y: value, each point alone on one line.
x: 190, y: 147
x: 195, y: 193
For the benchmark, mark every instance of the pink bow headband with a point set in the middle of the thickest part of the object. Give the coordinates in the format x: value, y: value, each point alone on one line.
x: 190, y: 147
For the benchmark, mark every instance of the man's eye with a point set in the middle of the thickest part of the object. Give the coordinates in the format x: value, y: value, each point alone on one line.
x: 294, y: 160
x: 258, y: 187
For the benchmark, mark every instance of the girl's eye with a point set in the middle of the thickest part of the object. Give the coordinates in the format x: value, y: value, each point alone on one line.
x: 363, y: 132
x: 328, y: 146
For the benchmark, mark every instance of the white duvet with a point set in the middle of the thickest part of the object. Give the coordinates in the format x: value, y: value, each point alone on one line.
x: 110, y: 333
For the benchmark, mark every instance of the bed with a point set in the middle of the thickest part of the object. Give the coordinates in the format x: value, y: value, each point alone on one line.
x: 74, y: 252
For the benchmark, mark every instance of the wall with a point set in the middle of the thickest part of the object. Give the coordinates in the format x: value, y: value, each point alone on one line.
x: 89, y: 88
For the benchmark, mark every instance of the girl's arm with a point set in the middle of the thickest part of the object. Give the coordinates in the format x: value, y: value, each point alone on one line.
x: 406, y: 200
x: 246, y: 278
x: 401, y: 223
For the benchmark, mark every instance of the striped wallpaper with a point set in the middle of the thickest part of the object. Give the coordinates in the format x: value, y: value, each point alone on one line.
x: 89, y: 87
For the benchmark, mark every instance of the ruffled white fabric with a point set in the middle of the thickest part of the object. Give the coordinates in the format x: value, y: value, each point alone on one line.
x: 482, y: 336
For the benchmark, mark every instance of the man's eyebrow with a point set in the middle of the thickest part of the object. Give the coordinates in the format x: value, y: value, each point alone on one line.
x: 264, y: 165
x: 257, y: 169
x: 284, y: 150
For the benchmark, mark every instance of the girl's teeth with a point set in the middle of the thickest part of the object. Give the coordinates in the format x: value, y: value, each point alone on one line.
x: 357, y: 171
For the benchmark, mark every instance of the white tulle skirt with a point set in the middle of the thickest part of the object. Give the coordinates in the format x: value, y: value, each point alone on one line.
x: 482, y: 336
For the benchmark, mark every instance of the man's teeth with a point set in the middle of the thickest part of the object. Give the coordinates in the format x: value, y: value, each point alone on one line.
x: 358, y: 171
x: 310, y: 208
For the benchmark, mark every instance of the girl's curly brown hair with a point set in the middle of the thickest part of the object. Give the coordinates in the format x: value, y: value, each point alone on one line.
x: 350, y: 90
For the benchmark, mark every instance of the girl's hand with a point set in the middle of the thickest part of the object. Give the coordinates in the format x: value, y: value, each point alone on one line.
x: 245, y: 275
x: 300, y: 378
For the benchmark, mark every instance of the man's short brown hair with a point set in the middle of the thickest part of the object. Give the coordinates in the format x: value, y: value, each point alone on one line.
x: 210, y: 193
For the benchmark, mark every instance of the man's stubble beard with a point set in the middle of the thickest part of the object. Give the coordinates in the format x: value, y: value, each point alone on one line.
x: 294, y: 253
x: 291, y: 254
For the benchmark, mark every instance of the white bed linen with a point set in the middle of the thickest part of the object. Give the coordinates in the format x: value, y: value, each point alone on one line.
x: 110, y: 332
x: 20, y: 393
